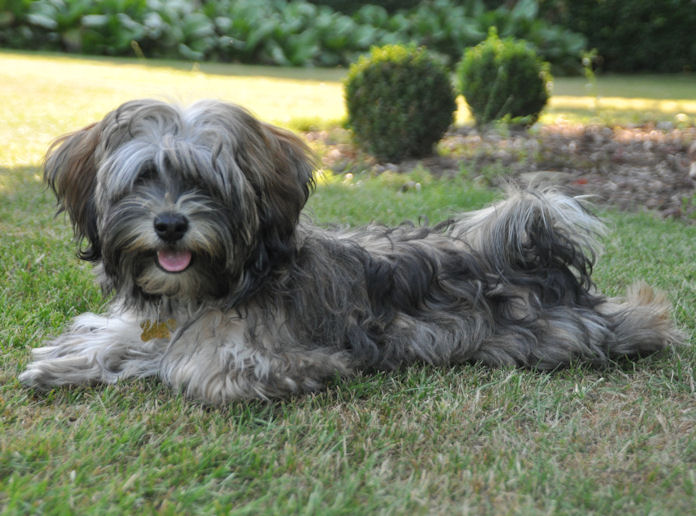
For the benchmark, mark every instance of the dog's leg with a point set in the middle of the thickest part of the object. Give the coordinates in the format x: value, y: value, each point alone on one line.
x: 215, y: 376
x: 95, y: 349
x: 217, y: 359
x: 546, y: 339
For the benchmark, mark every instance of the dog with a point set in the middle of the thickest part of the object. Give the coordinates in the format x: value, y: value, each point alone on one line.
x: 222, y: 289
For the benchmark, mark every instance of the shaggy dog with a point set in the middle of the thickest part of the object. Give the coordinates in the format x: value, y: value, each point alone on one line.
x: 192, y: 217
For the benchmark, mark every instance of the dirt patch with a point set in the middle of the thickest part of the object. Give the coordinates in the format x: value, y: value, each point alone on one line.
x: 631, y: 168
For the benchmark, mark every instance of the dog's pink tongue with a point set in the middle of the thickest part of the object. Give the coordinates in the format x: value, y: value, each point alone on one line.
x: 174, y: 261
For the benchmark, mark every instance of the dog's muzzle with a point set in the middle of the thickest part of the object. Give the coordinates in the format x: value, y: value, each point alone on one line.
x: 170, y: 228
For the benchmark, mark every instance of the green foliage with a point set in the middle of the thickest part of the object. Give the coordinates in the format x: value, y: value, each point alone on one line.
x: 503, y: 79
x: 557, y: 45
x: 177, y: 28
x: 85, y: 26
x: 635, y: 36
x: 350, y: 6
x: 285, y: 33
x: 280, y: 32
x: 450, y: 26
x: 400, y: 102
x: 645, y: 35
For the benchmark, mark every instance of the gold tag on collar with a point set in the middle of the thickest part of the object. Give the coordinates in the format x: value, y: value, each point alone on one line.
x: 157, y: 329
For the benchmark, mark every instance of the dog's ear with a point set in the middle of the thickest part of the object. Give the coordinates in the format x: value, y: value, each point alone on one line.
x: 279, y: 168
x: 291, y: 180
x: 70, y: 170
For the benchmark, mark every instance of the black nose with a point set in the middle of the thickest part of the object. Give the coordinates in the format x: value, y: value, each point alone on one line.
x: 171, y: 227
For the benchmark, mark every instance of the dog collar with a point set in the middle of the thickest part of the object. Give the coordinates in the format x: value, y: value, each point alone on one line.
x: 157, y: 329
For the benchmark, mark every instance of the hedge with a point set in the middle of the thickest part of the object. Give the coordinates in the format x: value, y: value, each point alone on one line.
x: 632, y: 36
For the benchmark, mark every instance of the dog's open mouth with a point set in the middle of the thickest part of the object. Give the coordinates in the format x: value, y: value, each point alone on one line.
x: 173, y: 261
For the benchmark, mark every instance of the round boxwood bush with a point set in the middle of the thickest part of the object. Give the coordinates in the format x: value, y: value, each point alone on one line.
x: 503, y: 79
x: 400, y: 102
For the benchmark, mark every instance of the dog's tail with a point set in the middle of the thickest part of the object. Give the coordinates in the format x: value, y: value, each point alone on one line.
x: 534, y: 231
x: 540, y: 248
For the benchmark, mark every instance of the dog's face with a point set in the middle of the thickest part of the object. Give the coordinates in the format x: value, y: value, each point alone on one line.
x: 197, y: 203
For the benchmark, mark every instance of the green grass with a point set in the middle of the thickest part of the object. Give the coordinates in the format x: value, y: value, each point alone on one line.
x: 421, y: 441
x: 624, y: 99
x: 56, y: 94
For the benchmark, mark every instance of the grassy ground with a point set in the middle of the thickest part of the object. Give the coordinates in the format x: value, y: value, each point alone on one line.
x: 422, y: 441
x: 624, y: 99
x: 58, y: 94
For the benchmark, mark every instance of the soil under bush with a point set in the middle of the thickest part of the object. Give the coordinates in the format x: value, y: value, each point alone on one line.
x: 630, y: 168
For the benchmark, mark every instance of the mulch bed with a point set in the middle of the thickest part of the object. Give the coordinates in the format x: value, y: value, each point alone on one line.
x: 630, y: 168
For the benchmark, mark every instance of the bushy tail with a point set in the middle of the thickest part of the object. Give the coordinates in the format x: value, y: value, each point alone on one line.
x: 534, y: 231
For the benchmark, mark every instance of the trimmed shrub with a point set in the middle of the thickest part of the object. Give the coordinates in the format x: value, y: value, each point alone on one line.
x: 400, y: 102
x: 503, y: 79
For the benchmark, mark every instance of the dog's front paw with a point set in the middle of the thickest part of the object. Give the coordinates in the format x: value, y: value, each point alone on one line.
x: 32, y: 377
x: 50, y: 369
x: 38, y: 377
x: 39, y: 374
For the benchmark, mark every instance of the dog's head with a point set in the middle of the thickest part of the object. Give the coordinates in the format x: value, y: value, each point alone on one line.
x: 196, y: 203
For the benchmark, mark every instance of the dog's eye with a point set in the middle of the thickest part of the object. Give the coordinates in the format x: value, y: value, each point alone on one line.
x: 146, y: 175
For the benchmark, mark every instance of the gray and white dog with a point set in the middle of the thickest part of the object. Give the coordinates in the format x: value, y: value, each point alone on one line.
x: 192, y: 217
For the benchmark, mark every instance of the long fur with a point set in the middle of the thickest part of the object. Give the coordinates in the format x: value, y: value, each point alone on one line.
x: 271, y: 305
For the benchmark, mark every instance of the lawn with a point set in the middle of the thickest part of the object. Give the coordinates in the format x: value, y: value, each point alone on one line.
x: 421, y: 441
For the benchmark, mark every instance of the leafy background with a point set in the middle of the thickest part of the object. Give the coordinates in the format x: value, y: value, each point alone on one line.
x: 297, y: 33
